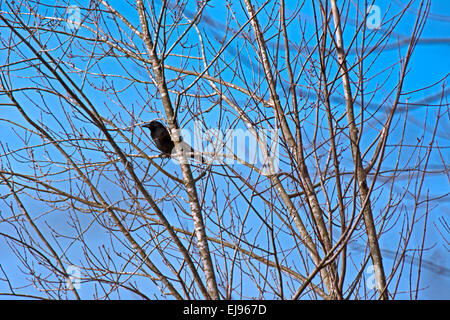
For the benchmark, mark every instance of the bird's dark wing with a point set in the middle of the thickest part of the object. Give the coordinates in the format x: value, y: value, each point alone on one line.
x: 163, y: 142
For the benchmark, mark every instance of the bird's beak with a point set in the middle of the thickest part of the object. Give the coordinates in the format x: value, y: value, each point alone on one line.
x: 147, y: 125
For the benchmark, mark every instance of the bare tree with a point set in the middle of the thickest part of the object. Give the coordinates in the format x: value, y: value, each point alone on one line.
x: 314, y: 186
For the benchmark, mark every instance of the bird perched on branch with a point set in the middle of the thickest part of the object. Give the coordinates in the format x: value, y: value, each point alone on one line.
x: 164, y: 142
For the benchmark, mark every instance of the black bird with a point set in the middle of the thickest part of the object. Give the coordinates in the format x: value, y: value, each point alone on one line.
x: 163, y: 141
x: 161, y: 137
